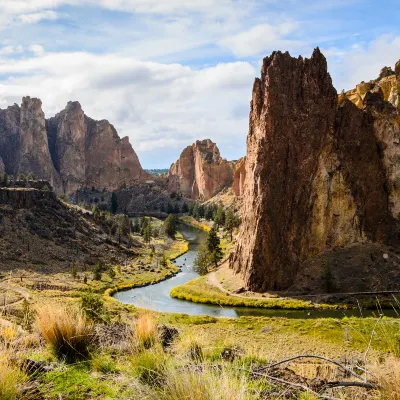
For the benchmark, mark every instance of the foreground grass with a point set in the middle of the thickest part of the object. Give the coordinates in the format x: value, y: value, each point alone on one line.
x: 209, y: 358
x: 200, y: 291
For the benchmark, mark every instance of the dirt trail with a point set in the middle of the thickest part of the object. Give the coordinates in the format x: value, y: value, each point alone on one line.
x: 23, y: 292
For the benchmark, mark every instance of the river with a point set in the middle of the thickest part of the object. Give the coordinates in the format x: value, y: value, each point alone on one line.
x: 156, y: 297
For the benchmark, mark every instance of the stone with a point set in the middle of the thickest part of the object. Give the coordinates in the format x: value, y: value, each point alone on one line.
x: 70, y: 150
x: 319, y: 175
x: 201, y: 172
x: 167, y: 335
x: 239, y: 177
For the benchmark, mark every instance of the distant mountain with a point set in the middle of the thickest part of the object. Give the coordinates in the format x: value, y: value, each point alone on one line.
x: 157, y: 172
x: 70, y: 150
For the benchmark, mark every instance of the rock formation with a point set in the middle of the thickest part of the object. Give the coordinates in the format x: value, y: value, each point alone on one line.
x: 201, y: 172
x: 239, y: 176
x: 70, y: 150
x: 319, y: 177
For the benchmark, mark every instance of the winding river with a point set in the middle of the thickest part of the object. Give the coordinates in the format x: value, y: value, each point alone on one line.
x: 156, y: 297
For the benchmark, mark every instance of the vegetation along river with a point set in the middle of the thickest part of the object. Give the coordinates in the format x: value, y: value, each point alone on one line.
x: 156, y: 297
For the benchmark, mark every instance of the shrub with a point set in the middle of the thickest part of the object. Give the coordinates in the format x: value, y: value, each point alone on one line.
x: 67, y: 331
x: 145, y: 331
x: 93, y: 307
x: 150, y: 367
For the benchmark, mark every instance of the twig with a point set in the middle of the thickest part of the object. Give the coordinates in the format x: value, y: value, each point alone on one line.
x: 347, y: 384
x: 320, y: 358
x: 298, y: 385
x: 369, y: 346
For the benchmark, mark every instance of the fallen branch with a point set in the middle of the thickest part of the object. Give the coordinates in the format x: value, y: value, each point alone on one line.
x: 298, y: 385
x: 320, y: 358
x: 347, y: 384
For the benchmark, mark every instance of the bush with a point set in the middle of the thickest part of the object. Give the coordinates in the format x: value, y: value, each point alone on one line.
x: 93, y: 307
x: 145, y: 331
x: 67, y: 331
x: 149, y: 367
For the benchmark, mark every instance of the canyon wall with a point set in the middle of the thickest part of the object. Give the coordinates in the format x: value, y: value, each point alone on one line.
x: 69, y: 150
x: 319, y: 176
x: 201, y: 172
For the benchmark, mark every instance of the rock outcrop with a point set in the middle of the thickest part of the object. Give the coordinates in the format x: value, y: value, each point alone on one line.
x: 319, y: 176
x: 201, y: 172
x: 239, y: 177
x: 70, y: 150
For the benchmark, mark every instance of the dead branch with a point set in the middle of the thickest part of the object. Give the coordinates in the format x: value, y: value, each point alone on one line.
x: 298, y: 385
x: 320, y: 358
x: 347, y: 384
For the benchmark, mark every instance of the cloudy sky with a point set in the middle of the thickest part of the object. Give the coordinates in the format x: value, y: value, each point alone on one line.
x: 168, y: 72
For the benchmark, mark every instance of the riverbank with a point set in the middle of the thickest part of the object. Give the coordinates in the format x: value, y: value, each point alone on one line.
x: 200, y: 290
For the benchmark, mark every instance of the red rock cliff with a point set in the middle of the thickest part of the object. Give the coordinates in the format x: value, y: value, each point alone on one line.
x: 200, y: 172
x: 70, y: 150
x: 317, y: 175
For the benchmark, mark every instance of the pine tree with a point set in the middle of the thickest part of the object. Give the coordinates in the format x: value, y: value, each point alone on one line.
x: 214, y: 248
x: 171, y: 225
x: 219, y: 217
x: 114, y: 202
x: 232, y: 221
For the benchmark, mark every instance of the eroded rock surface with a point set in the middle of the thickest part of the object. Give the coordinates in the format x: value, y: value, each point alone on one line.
x: 70, y: 150
x: 319, y: 176
x: 200, y: 172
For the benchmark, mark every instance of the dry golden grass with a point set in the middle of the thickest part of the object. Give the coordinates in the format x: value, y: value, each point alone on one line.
x: 388, y: 377
x: 67, y: 331
x: 207, y: 384
x: 145, y: 331
x: 11, y: 378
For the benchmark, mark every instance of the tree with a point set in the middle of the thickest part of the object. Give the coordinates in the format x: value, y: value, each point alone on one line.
x: 209, y: 212
x: 31, y: 176
x: 114, y: 202
x: 219, y: 217
x: 176, y: 208
x: 209, y: 254
x: 162, y: 207
x: 185, y: 208
x: 195, y: 211
x: 112, y: 273
x: 171, y: 225
x: 170, y: 208
x: 214, y: 247
x: 146, y: 231
x: 97, y: 272
x: 4, y: 179
x: 232, y: 221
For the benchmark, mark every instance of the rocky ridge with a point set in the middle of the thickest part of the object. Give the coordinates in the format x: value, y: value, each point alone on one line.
x: 321, y: 176
x: 200, y: 172
x: 70, y: 150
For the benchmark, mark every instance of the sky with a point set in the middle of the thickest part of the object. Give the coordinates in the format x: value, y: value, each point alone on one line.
x: 169, y: 72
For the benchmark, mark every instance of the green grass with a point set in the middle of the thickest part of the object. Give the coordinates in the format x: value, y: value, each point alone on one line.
x: 199, y: 291
x: 197, y: 224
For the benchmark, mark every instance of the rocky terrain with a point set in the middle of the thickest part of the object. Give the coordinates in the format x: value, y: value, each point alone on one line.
x: 201, y: 172
x: 150, y: 198
x: 40, y: 233
x: 70, y: 150
x: 321, y: 181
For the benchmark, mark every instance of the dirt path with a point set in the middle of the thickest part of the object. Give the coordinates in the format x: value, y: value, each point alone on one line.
x: 213, y: 280
x: 23, y: 292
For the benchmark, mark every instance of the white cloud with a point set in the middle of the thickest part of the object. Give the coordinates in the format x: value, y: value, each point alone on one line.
x: 36, y: 49
x: 7, y: 50
x: 157, y: 105
x: 362, y: 62
x: 262, y: 38
x: 34, y: 18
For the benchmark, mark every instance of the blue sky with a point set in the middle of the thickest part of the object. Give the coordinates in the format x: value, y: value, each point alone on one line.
x: 166, y: 73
